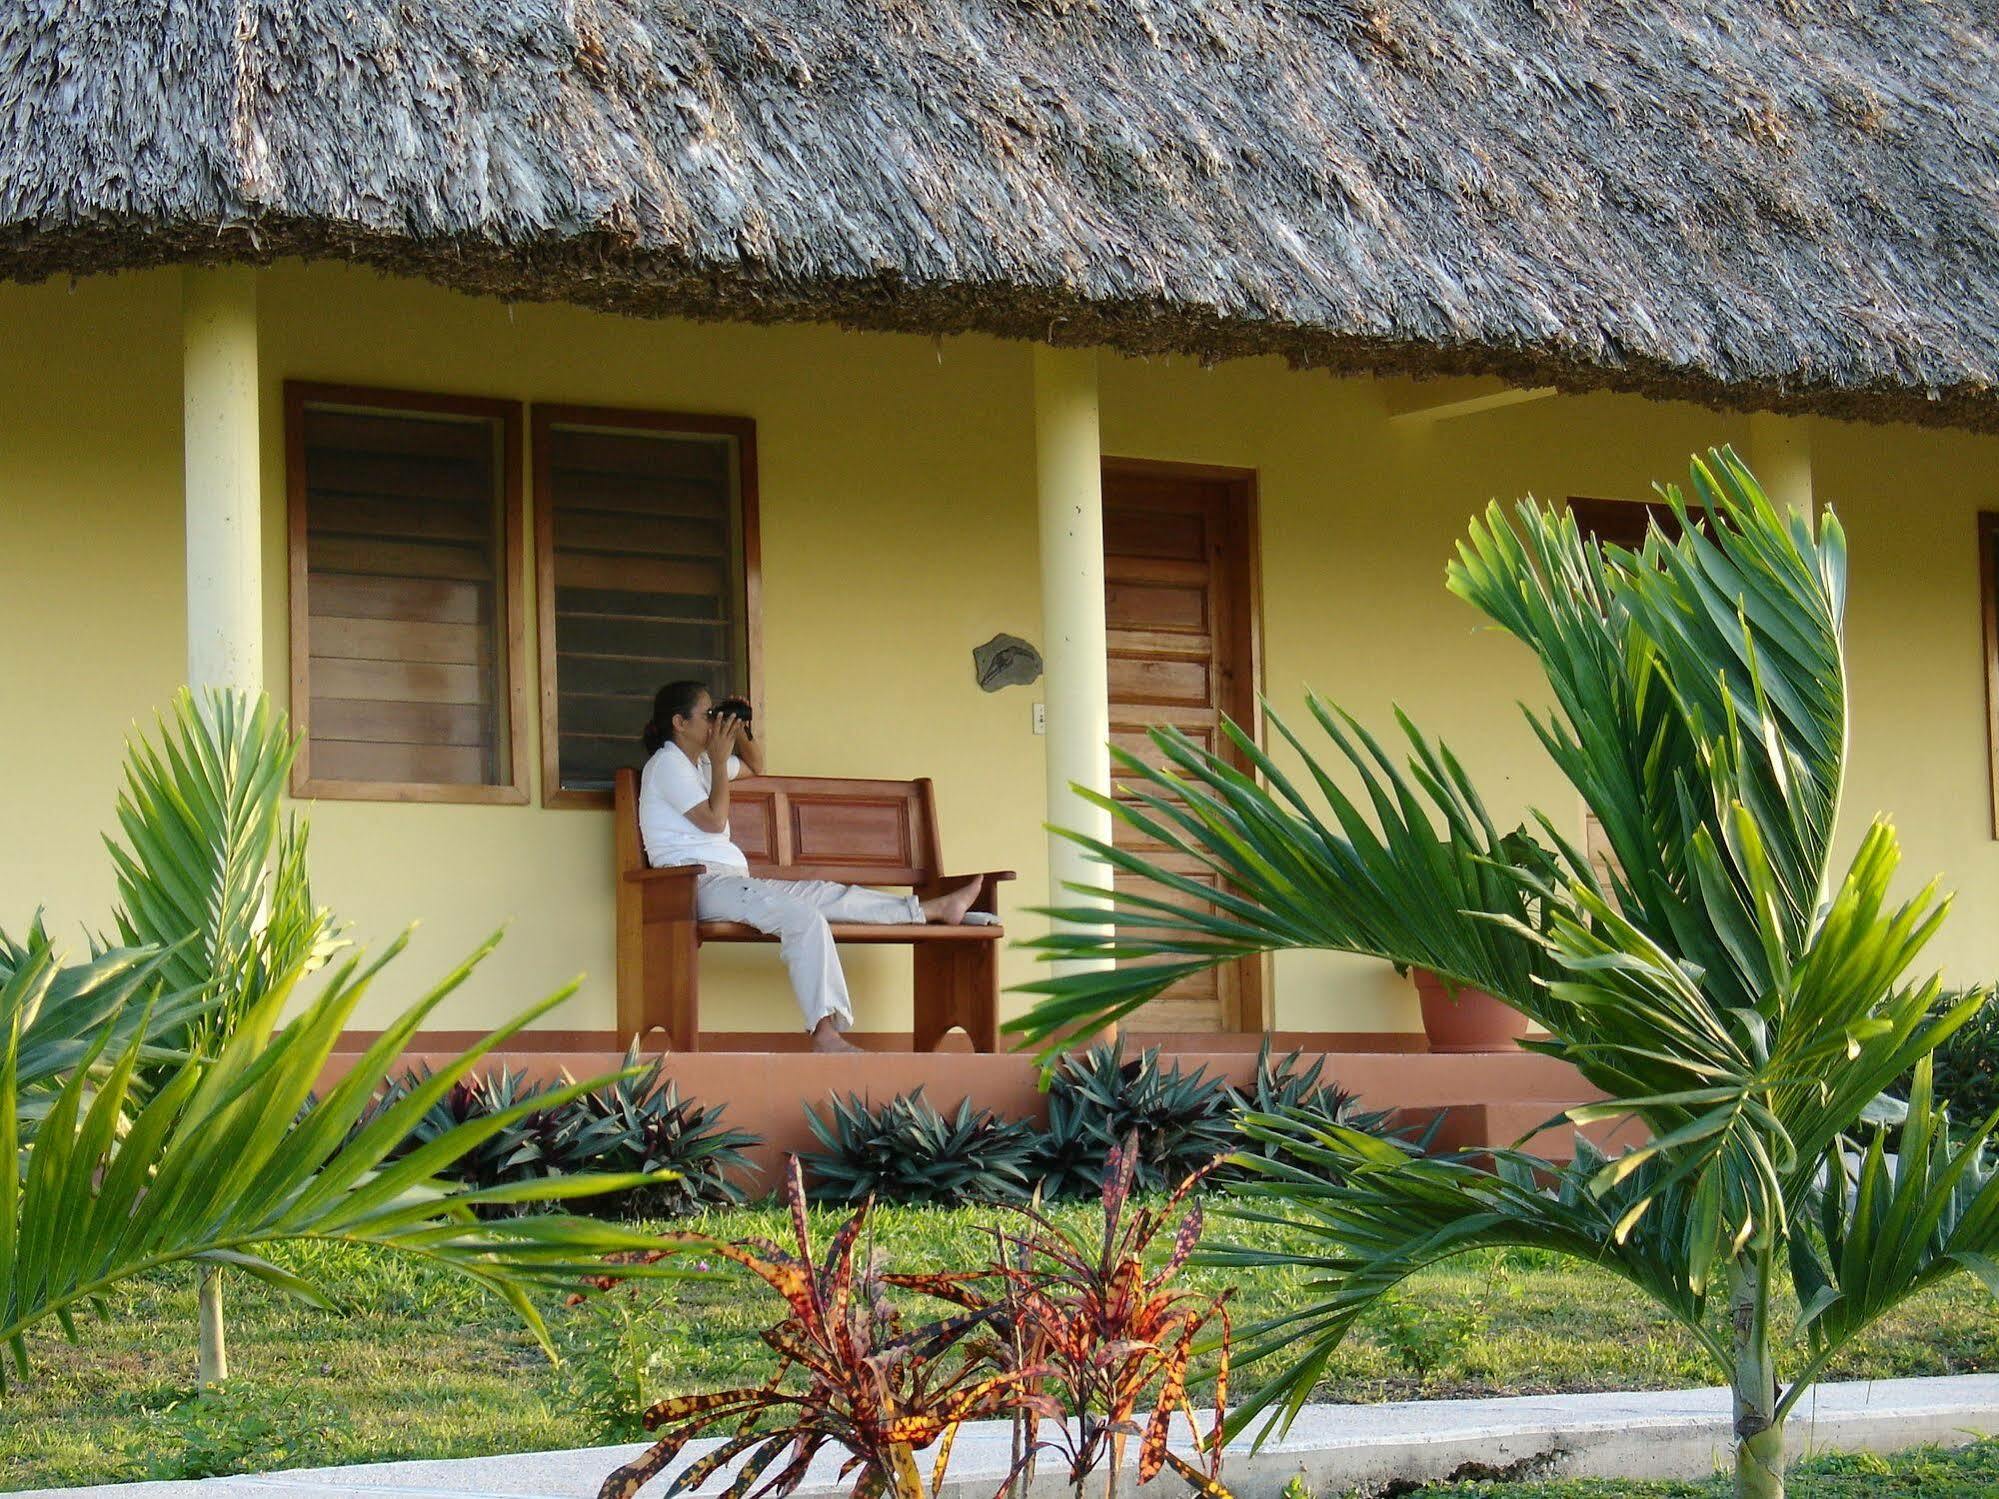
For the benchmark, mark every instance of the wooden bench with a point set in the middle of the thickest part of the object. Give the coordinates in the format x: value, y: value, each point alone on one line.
x: 804, y: 828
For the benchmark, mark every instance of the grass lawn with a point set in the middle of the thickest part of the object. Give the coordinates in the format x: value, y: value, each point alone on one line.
x: 1967, y: 1473
x: 424, y: 1366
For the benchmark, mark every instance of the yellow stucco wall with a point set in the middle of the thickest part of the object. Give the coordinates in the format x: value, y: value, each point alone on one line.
x: 898, y: 532
x: 92, y: 597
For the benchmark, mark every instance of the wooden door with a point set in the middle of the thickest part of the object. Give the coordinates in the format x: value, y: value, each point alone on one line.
x: 1179, y: 570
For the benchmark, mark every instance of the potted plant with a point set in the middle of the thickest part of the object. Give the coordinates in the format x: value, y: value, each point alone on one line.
x: 1459, y: 1018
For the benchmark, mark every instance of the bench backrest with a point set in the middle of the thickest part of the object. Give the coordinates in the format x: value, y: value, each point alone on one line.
x: 814, y: 828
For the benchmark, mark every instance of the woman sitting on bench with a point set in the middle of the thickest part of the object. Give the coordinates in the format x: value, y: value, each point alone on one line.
x: 684, y: 819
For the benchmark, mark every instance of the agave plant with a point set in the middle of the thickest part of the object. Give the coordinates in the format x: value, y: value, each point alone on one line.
x: 872, y: 1385
x: 1100, y: 1100
x: 1723, y: 981
x: 904, y: 1151
x: 1288, y: 1086
x: 641, y: 1123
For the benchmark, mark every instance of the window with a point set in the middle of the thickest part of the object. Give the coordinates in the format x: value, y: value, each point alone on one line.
x: 1624, y: 522
x: 406, y: 629
x: 1988, y: 588
x: 646, y: 552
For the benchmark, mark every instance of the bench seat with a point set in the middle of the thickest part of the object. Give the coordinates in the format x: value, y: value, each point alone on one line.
x: 848, y: 931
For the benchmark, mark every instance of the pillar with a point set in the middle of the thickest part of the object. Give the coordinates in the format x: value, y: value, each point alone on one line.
x: 1780, y: 455
x: 1069, y: 478
x: 222, y: 473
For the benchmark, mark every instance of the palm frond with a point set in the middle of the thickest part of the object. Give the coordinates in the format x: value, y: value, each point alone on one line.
x: 1415, y: 878
x: 1892, y: 1226
x: 63, y: 1014
x: 1379, y: 1211
x: 209, y: 871
x: 226, y: 1157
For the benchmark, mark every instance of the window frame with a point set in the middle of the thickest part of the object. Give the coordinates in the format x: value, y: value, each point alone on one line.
x: 1988, y: 589
x: 510, y: 627
x: 541, y: 417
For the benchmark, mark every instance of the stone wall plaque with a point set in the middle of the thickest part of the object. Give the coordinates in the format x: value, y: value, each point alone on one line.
x: 1005, y: 661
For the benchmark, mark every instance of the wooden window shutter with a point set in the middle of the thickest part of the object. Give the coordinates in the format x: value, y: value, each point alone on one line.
x: 406, y: 624
x: 646, y: 560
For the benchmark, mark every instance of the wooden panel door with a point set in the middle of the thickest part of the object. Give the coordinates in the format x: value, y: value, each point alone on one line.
x: 1179, y: 594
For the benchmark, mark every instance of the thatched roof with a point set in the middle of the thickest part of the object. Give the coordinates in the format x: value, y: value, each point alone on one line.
x: 1744, y: 201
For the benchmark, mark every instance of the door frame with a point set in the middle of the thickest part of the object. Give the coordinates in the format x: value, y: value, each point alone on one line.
x: 1245, y: 696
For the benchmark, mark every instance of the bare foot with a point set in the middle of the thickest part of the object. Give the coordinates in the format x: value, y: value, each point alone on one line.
x: 826, y: 1037
x: 949, y: 910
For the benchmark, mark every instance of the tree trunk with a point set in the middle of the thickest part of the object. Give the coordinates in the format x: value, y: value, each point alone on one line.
x: 1759, y: 1436
x: 214, y: 1347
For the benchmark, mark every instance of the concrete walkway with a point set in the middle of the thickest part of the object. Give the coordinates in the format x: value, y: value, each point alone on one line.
x: 1336, y: 1449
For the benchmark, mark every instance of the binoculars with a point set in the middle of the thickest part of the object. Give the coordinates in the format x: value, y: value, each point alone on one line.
x: 732, y: 707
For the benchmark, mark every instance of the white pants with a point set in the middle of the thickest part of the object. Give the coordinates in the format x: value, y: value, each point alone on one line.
x: 797, y: 913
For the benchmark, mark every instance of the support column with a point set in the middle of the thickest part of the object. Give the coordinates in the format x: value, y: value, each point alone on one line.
x: 223, y: 478
x: 1069, y: 475
x: 1780, y: 455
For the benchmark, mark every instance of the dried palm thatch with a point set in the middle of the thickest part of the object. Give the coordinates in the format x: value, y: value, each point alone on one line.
x: 1748, y: 202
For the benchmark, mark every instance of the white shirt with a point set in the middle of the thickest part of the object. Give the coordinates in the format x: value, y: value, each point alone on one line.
x: 671, y: 786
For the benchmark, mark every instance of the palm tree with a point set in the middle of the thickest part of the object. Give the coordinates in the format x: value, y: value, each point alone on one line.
x: 215, y: 879
x: 153, y: 1113
x: 1725, y: 983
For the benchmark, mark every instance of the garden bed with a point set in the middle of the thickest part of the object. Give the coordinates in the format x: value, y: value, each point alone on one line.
x: 424, y: 1366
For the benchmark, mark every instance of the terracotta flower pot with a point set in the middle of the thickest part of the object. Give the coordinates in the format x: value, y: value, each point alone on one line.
x: 1466, y: 1019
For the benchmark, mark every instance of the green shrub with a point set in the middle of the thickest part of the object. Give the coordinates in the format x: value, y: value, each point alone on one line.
x: 537, y: 1144
x: 1098, y: 1098
x: 1967, y: 1065
x: 642, y: 1124
x: 1069, y: 1150
x: 244, y: 1427
x: 904, y: 1151
x: 1289, y: 1084
x: 613, y: 1365
x: 634, y: 1124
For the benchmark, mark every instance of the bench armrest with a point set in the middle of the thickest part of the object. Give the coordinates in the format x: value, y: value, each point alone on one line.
x: 665, y: 894
x: 667, y: 873
x: 988, y: 897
